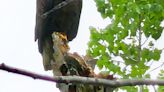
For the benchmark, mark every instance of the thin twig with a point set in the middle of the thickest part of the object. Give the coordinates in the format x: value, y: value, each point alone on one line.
x: 155, y: 90
x: 144, y: 42
x: 84, y: 80
x: 118, y: 61
x: 60, y: 5
x: 157, y: 67
x: 140, y: 38
x: 151, y: 63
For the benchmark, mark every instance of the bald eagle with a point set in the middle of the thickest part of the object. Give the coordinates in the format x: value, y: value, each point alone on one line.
x: 64, y: 21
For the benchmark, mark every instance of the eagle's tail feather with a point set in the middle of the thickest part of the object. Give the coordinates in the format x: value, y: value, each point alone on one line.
x: 47, y: 54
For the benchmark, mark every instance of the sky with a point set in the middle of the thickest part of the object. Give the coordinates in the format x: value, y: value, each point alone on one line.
x: 18, y: 49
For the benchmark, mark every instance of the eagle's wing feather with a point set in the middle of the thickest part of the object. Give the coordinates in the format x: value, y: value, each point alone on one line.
x: 40, y: 27
x: 40, y: 9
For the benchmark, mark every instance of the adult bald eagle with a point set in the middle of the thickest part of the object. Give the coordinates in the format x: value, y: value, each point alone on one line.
x: 64, y: 21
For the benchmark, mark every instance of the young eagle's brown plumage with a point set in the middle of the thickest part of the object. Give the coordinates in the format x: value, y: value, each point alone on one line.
x: 64, y: 20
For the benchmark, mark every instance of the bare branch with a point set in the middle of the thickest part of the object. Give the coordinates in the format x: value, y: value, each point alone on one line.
x: 140, y: 39
x: 144, y: 42
x: 60, y: 5
x: 84, y: 80
x: 26, y: 73
x: 156, y: 67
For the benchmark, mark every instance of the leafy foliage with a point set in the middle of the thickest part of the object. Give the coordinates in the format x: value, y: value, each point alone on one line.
x: 126, y: 46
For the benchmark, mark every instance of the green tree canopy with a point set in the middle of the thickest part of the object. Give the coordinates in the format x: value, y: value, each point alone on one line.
x: 126, y: 47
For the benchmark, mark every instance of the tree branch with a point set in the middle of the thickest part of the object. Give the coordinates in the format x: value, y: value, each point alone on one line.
x: 156, y: 67
x: 60, y: 5
x: 26, y: 73
x: 84, y: 80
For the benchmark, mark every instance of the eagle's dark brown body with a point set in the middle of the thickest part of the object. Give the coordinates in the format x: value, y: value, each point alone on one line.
x: 65, y: 20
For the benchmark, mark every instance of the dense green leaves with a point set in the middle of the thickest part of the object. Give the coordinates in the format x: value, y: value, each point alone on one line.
x: 126, y: 46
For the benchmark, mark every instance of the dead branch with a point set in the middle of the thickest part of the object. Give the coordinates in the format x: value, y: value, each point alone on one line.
x: 84, y: 80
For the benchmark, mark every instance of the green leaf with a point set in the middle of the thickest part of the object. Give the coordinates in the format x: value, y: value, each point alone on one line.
x: 146, y: 55
x: 156, y: 54
x: 147, y: 76
x: 151, y: 44
x: 145, y: 89
x: 161, y: 74
x: 100, y: 64
x: 134, y: 72
x: 157, y: 33
x: 161, y: 89
x: 130, y: 88
x: 95, y: 35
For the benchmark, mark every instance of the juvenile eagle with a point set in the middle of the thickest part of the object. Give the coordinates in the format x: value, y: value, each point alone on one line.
x: 64, y: 21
